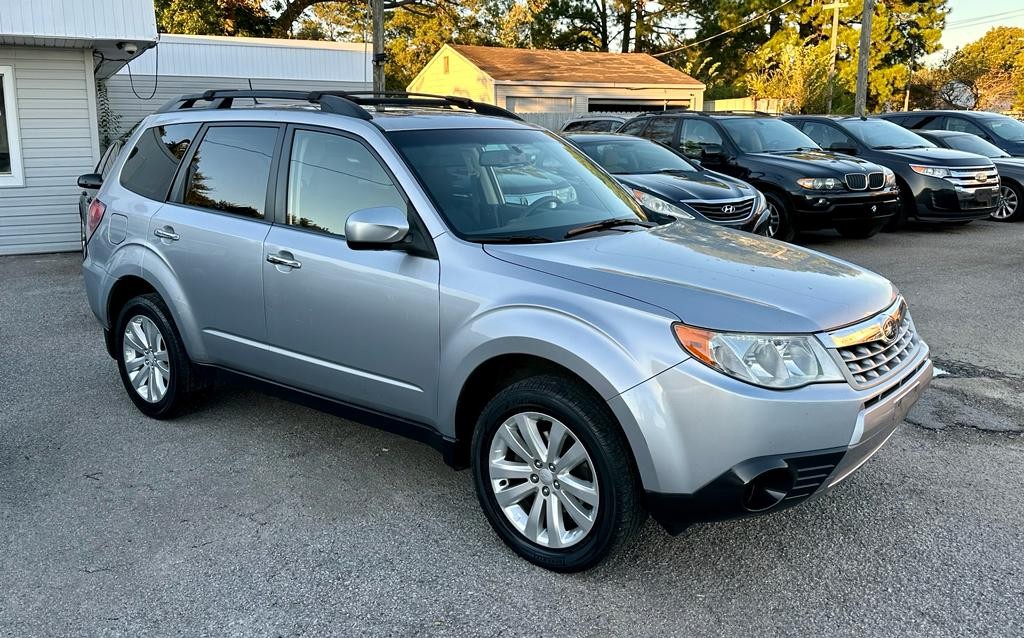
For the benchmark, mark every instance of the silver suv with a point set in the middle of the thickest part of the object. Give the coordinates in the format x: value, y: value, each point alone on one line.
x: 442, y: 269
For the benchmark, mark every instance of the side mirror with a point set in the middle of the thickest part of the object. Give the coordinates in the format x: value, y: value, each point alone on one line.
x: 712, y: 153
x: 90, y: 181
x: 845, y: 149
x: 376, y: 228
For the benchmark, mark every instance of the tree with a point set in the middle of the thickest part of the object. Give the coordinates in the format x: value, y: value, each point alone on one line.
x: 989, y: 72
x: 797, y: 76
x: 220, y: 17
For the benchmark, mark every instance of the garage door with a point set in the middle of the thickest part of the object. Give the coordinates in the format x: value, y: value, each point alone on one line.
x: 539, y: 104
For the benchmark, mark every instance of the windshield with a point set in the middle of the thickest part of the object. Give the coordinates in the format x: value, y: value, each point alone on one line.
x: 1006, y: 127
x: 883, y: 135
x: 633, y: 156
x: 507, y: 183
x: 974, y: 144
x: 763, y: 134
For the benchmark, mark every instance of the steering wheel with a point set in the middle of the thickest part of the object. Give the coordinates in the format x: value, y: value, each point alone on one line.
x: 541, y: 204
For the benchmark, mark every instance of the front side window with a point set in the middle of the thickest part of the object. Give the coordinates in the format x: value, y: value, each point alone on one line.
x: 10, y: 148
x: 332, y: 176
x: 963, y: 126
x: 633, y: 127
x: 635, y: 157
x: 149, y: 168
x: 696, y: 135
x: 826, y: 135
x: 1006, y: 127
x: 512, y: 183
x: 882, y: 135
x: 766, y: 135
x: 230, y: 170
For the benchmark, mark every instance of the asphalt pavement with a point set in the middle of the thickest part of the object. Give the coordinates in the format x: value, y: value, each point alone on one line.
x: 256, y: 517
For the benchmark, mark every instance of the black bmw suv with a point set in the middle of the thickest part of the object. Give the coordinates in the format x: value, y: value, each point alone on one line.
x: 806, y: 188
x: 936, y: 184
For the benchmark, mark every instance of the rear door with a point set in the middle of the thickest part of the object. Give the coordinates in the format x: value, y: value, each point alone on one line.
x: 361, y: 326
x: 211, y: 232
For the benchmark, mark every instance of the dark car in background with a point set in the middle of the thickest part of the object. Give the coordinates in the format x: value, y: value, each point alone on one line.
x: 593, y: 123
x: 1011, y: 169
x: 663, y: 181
x: 806, y: 188
x: 1005, y: 132
x: 936, y: 184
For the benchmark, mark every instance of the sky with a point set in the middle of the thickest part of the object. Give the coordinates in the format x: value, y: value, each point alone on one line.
x: 968, y: 20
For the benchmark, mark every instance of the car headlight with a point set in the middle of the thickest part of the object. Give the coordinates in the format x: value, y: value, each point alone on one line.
x: 821, y: 183
x: 890, y: 177
x: 770, y: 361
x: 659, y: 205
x: 930, y: 171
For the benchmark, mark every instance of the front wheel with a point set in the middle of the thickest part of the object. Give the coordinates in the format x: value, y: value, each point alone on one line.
x: 860, y: 230
x: 1010, y: 199
x: 553, y: 474
x: 780, y: 219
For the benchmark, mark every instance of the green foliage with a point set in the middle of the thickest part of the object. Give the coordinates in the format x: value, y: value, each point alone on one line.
x: 213, y: 17
x: 107, y: 118
x: 987, y: 73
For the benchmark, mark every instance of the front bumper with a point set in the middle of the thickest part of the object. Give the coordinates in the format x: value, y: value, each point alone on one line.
x: 938, y: 200
x: 722, y: 448
x: 818, y: 210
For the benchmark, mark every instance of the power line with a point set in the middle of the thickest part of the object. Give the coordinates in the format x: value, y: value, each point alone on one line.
x: 988, y: 18
x: 718, y: 35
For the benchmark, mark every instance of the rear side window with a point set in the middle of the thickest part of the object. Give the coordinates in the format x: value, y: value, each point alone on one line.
x: 633, y: 127
x: 601, y: 126
x: 575, y: 126
x: 937, y: 123
x: 662, y: 129
x: 150, y: 166
x: 332, y: 176
x: 964, y: 126
x: 230, y: 170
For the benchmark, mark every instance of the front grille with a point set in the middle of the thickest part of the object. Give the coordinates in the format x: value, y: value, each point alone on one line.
x: 974, y: 177
x: 724, y: 210
x: 876, y: 180
x: 873, y: 361
x: 811, y: 472
x: 856, y: 181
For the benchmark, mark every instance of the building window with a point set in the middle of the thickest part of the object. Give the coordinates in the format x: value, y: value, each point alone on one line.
x: 10, y: 143
x: 445, y: 63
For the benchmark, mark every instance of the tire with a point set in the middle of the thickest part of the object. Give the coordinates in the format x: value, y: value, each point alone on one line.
x: 608, y: 469
x: 780, y: 224
x: 861, y: 230
x: 906, y: 210
x: 1011, y: 203
x: 164, y: 355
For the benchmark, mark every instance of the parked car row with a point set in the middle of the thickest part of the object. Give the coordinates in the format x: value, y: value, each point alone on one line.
x: 857, y: 175
x: 443, y: 270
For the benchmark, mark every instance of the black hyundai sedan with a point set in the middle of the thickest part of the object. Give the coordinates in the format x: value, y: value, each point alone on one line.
x: 665, y: 182
x: 1011, y: 169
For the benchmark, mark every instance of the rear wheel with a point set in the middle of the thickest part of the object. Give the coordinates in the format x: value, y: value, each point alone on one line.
x: 780, y: 219
x: 151, y: 358
x: 860, y: 230
x: 554, y: 475
x: 1010, y: 200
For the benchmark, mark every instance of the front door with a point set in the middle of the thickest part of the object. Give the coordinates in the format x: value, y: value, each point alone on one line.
x: 211, y: 234
x: 355, y: 325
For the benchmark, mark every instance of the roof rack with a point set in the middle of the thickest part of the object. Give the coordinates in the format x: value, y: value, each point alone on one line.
x: 348, y: 103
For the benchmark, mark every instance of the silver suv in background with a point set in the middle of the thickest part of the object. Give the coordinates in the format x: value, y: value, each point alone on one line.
x: 590, y: 366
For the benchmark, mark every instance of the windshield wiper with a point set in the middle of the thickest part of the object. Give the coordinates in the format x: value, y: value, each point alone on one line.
x: 890, y: 147
x: 605, y: 225
x: 510, y: 239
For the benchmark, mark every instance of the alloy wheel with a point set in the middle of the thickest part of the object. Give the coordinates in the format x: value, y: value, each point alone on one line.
x: 774, y: 221
x: 1008, y: 203
x: 543, y: 480
x: 145, y: 358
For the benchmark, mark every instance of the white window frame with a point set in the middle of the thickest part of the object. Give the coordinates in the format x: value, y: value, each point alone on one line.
x: 10, y: 112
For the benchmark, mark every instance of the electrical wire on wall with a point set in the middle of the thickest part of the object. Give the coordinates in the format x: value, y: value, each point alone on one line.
x: 128, y: 65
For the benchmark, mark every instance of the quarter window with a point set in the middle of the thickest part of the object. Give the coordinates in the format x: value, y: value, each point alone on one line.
x: 332, y: 176
x: 150, y: 166
x: 231, y: 169
x: 10, y: 146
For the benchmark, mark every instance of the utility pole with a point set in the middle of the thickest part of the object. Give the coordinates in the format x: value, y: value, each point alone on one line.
x: 377, y: 8
x: 835, y: 6
x: 863, y: 52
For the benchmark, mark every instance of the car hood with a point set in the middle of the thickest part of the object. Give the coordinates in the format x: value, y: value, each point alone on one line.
x: 936, y: 156
x: 676, y: 187
x: 814, y: 163
x: 716, y: 278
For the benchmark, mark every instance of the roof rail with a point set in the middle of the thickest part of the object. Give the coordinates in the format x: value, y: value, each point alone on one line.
x: 349, y: 103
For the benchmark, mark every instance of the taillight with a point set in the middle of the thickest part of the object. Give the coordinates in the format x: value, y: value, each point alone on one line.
x: 92, y: 222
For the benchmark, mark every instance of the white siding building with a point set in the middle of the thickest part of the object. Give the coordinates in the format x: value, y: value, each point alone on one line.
x: 51, y: 54
x: 183, y: 64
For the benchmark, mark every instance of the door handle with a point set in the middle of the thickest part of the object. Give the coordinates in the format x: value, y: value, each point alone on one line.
x: 166, y: 233
x: 280, y: 260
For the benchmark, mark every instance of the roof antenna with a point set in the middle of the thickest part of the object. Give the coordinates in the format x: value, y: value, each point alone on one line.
x: 254, y: 100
